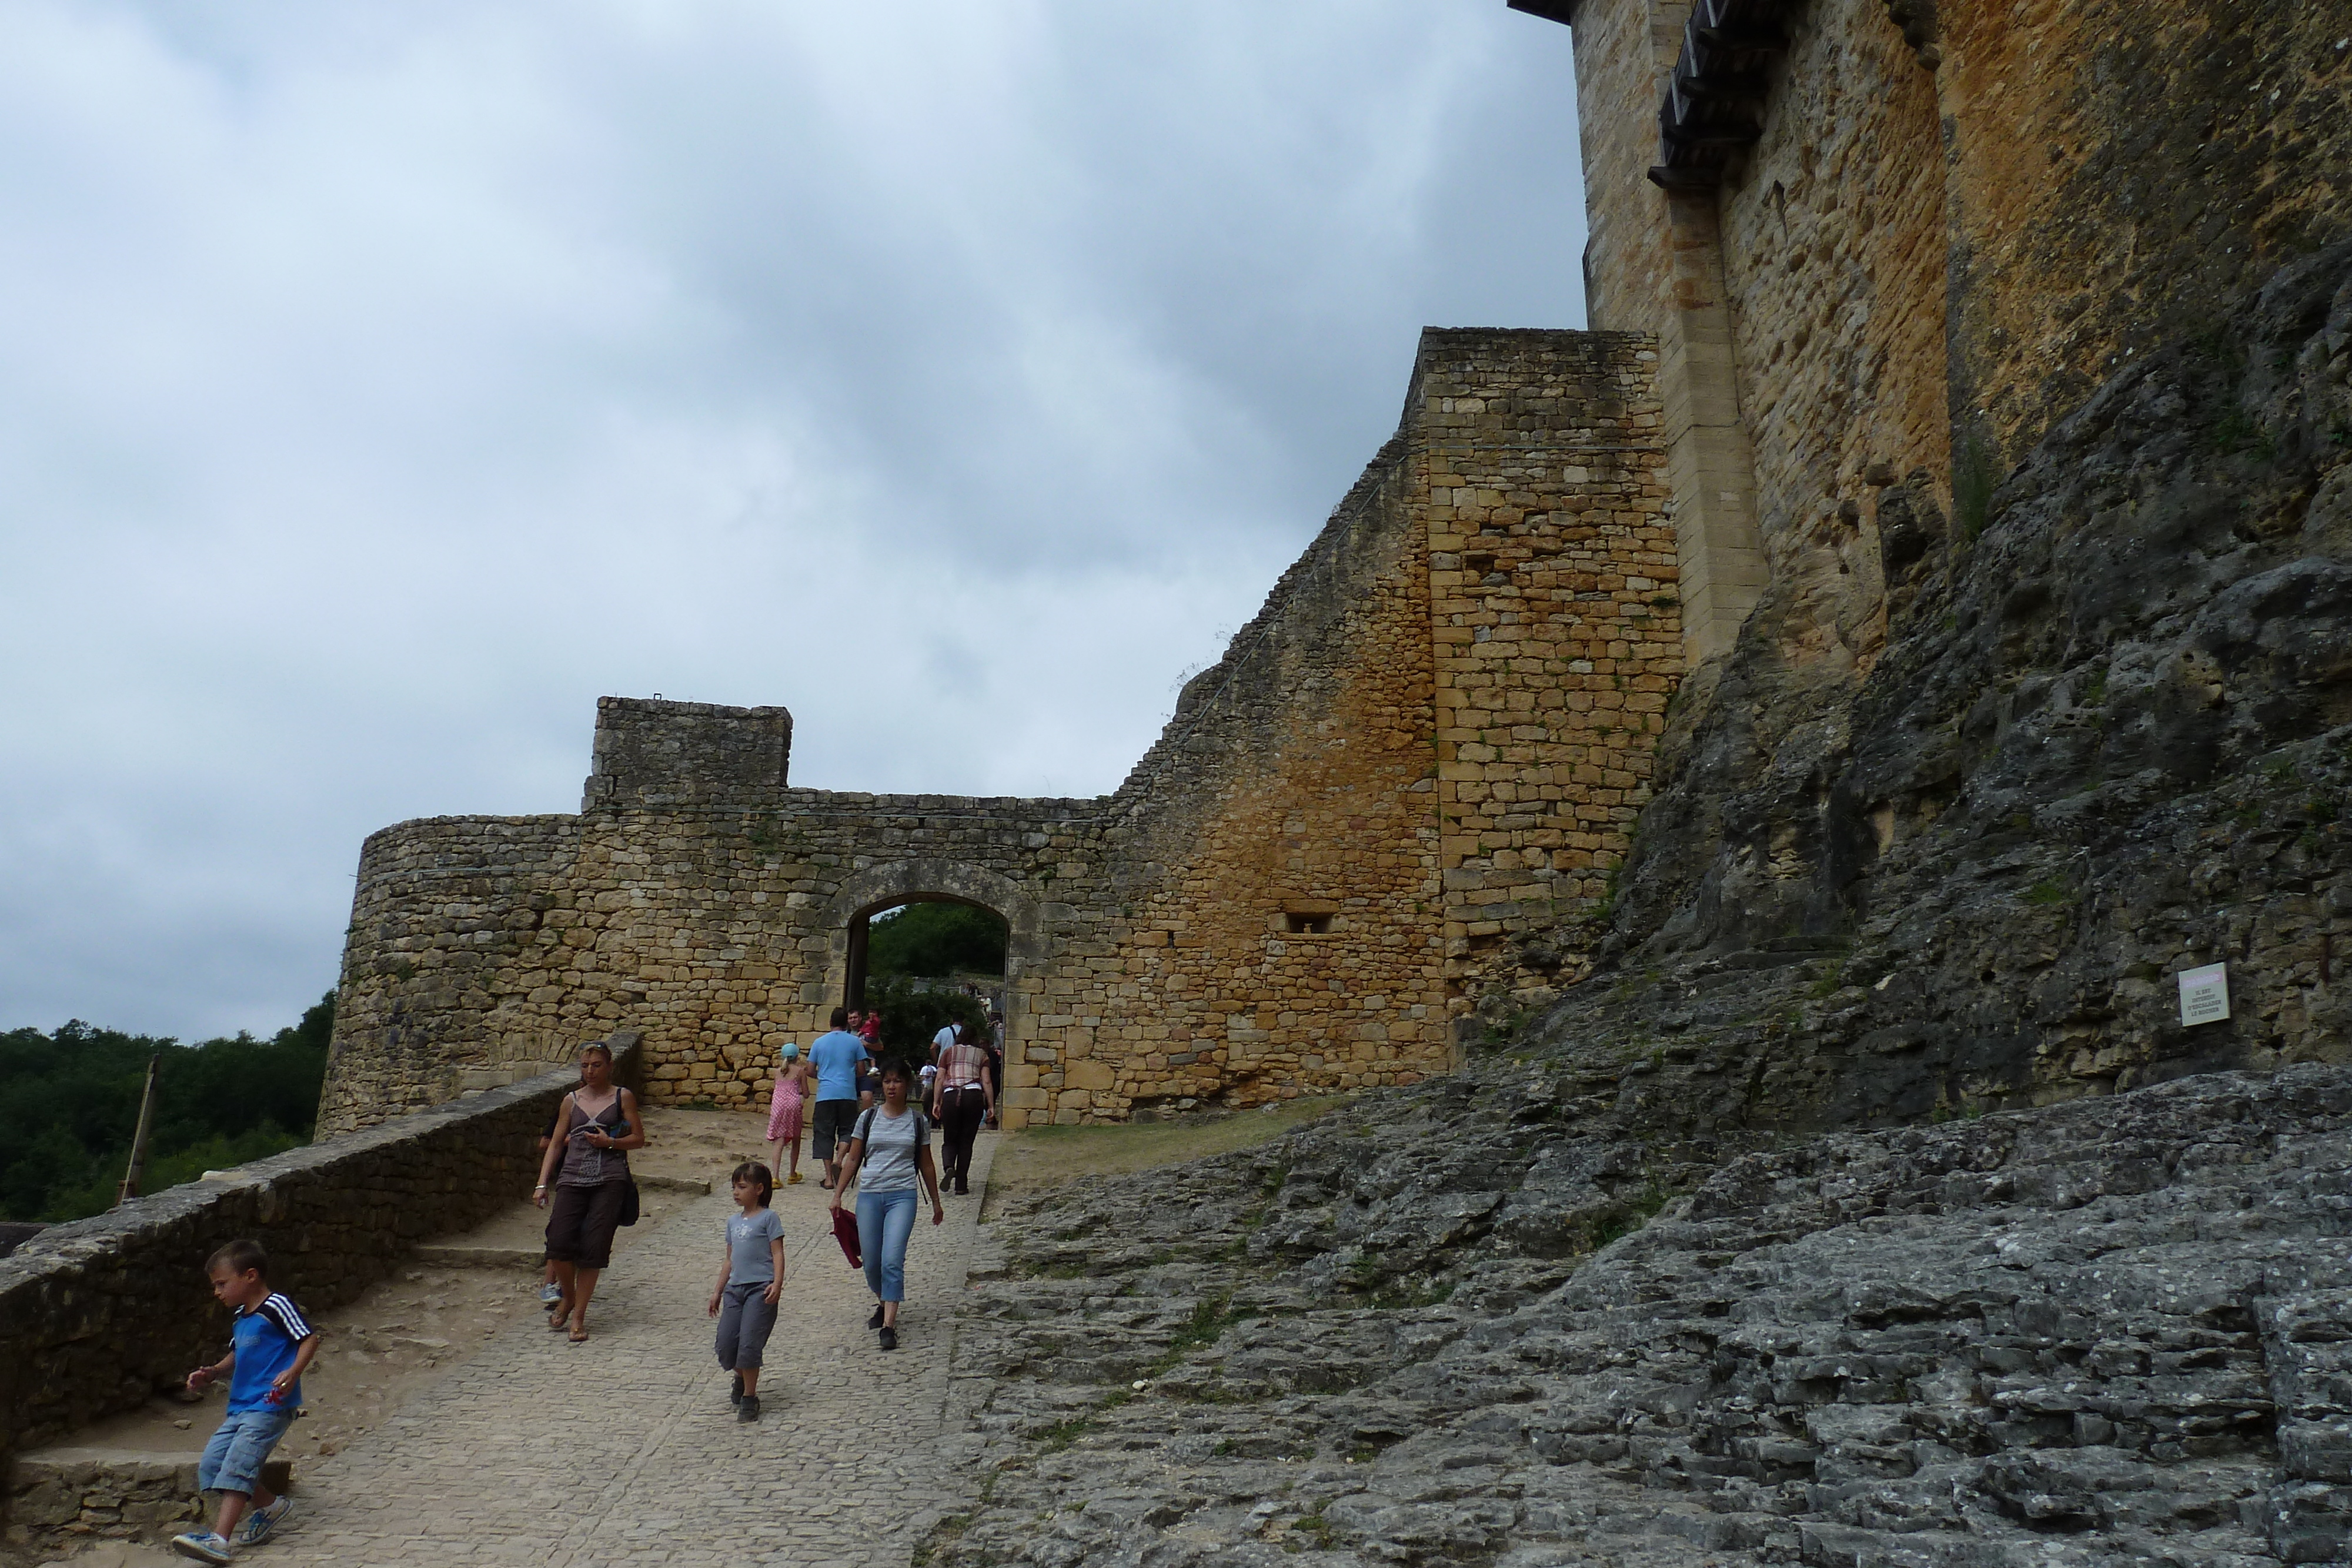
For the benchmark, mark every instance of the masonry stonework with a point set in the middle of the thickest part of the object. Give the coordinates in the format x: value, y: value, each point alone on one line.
x: 1891, y: 242
x: 1392, y: 799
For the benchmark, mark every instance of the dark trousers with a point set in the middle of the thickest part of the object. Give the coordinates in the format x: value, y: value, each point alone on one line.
x: 580, y: 1221
x: 959, y: 1113
x: 745, y: 1321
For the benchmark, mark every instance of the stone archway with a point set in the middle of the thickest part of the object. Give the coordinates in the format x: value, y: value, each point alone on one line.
x: 884, y: 886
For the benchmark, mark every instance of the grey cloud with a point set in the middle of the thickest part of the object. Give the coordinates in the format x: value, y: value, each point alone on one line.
x: 381, y: 385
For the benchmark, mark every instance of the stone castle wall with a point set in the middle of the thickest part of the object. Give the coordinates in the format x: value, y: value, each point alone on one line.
x: 1943, y: 225
x: 1558, y: 637
x: 1393, y: 797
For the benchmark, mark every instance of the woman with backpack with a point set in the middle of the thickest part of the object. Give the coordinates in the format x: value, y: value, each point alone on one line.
x: 890, y: 1159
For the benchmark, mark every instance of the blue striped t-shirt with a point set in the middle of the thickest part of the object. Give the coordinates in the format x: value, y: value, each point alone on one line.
x: 265, y: 1339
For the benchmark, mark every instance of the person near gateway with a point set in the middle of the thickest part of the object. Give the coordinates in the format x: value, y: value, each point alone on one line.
x: 793, y: 1086
x: 995, y: 1043
x: 964, y: 1096
x: 836, y: 1056
x: 889, y: 1155
x: 583, y: 1180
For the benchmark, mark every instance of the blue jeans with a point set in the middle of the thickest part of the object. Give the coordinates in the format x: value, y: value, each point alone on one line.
x: 232, y: 1459
x: 885, y: 1220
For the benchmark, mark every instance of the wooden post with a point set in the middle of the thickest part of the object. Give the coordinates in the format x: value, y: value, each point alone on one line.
x: 130, y: 1177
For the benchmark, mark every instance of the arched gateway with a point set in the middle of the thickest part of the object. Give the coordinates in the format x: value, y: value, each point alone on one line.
x: 1390, y: 801
x: 882, y: 887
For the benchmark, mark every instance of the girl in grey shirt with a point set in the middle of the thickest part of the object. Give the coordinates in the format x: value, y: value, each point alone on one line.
x: 750, y: 1285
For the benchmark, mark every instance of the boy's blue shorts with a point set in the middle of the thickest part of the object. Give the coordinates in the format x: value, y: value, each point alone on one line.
x: 232, y: 1460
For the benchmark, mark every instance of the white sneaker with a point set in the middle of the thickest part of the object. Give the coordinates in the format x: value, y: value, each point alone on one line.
x: 203, y: 1545
x: 262, y: 1520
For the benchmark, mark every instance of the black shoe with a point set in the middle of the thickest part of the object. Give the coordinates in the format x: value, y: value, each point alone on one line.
x: 963, y: 1190
x: 890, y: 1339
x: 875, y: 1321
x: 735, y: 1392
x: 749, y: 1410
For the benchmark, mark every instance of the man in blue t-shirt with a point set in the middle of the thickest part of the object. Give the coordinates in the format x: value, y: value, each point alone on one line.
x: 836, y: 1057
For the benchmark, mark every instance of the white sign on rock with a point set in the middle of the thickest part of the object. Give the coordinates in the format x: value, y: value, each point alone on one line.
x: 2205, y: 994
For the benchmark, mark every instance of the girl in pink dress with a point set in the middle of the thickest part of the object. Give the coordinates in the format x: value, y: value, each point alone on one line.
x: 785, y: 1110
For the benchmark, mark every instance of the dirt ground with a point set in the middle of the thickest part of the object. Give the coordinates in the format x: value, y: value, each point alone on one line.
x: 1046, y: 1156
x: 408, y: 1329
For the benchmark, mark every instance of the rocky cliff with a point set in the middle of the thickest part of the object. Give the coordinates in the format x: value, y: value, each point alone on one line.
x: 1871, y: 1204
x: 2106, y: 734
x: 2103, y: 1333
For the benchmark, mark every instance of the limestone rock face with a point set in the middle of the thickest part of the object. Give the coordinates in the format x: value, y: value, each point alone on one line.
x: 2107, y: 739
x: 2103, y: 1333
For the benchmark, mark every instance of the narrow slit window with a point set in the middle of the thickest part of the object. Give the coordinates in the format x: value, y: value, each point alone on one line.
x: 1308, y: 925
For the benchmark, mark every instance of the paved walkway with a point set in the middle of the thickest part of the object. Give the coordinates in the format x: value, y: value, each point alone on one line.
x: 624, y: 1450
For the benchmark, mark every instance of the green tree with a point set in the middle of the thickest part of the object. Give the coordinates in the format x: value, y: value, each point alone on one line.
x: 912, y: 1014
x: 218, y: 1103
x: 936, y: 939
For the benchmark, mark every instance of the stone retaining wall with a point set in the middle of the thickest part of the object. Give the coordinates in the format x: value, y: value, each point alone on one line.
x: 99, y: 1314
x: 65, y: 1494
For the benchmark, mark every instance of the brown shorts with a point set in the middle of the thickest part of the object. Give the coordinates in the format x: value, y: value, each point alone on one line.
x: 580, y: 1221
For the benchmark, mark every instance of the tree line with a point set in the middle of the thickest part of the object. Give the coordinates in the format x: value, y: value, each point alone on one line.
x: 929, y: 940
x: 219, y: 1102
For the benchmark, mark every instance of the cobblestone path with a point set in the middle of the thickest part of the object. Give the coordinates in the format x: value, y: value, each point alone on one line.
x: 623, y: 1450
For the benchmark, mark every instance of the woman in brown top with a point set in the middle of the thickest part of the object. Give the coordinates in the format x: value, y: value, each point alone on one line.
x: 586, y: 1172
x: 961, y: 1097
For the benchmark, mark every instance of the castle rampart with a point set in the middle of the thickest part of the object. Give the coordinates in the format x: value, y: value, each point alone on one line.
x: 1391, y: 798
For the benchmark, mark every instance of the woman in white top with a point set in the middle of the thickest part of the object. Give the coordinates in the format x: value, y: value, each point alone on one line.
x: 889, y: 1156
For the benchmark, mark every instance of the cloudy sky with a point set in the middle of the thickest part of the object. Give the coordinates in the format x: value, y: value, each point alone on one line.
x: 381, y: 384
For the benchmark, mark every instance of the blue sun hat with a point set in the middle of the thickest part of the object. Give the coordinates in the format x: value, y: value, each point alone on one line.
x: 792, y: 1052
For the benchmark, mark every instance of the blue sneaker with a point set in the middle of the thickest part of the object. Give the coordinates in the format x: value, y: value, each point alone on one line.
x: 203, y: 1545
x: 262, y: 1520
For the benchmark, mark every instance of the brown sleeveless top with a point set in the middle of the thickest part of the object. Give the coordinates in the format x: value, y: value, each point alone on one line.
x: 583, y: 1164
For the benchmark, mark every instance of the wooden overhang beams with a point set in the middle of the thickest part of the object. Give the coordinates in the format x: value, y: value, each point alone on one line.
x: 1714, y: 98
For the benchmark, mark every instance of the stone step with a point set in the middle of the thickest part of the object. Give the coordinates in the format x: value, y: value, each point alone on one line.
x: 470, y: 1255
x: 118, y: 1493
x: 434, y: 1256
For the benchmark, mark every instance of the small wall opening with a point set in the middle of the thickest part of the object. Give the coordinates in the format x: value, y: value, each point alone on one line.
x: 1307, y: 924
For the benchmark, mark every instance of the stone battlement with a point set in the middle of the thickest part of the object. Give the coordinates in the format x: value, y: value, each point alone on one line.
x: 659, y: 754
x: 1393, y: 796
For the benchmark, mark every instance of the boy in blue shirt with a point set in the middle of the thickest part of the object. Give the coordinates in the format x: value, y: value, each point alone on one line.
x: 271, y: 1347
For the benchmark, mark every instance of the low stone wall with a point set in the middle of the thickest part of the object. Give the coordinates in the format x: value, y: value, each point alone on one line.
x: 97, y: 1315
x: 63, y: 1493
